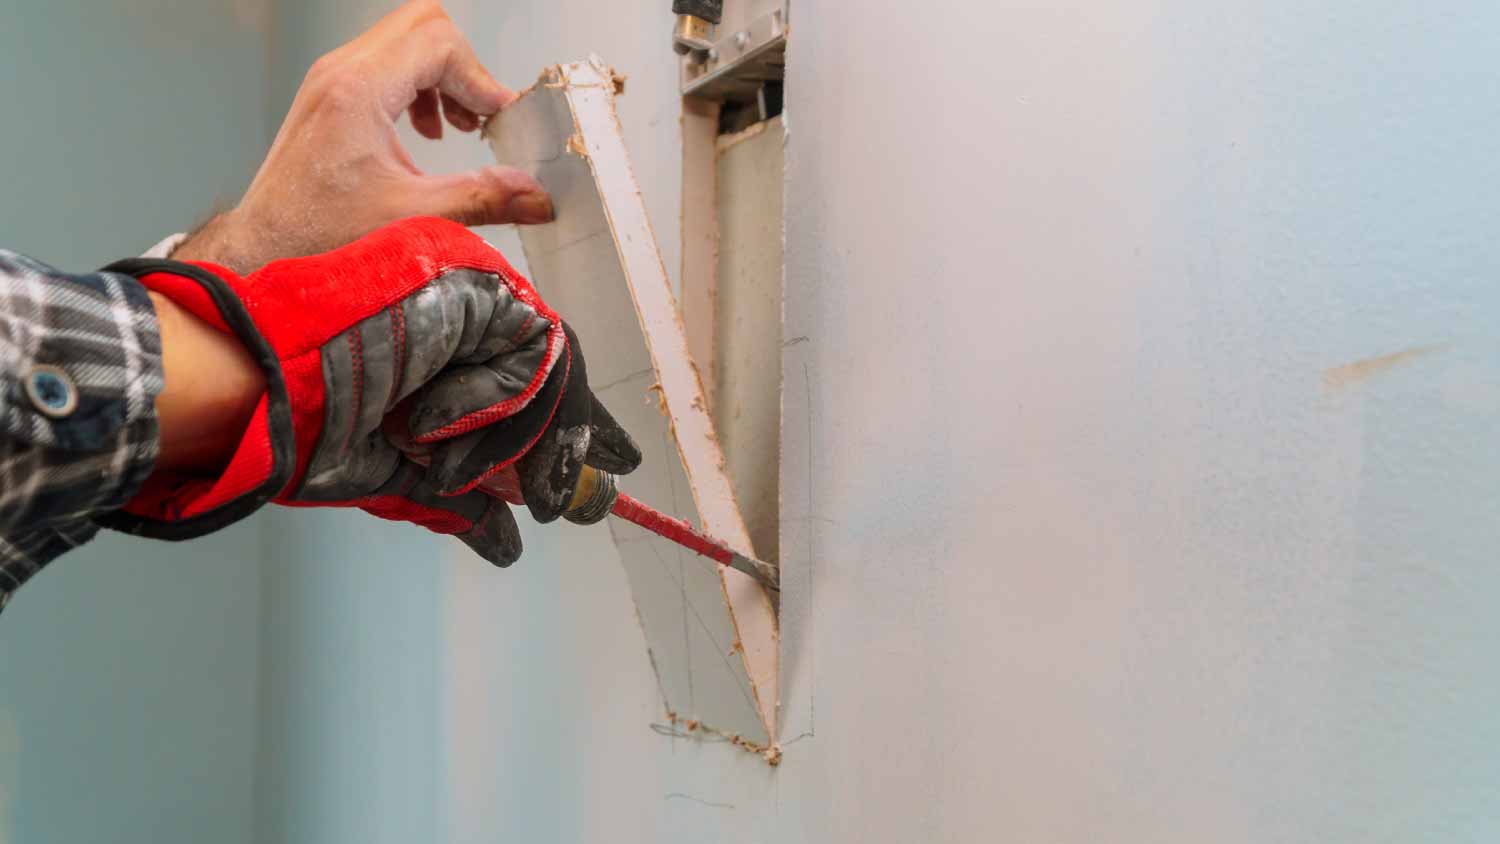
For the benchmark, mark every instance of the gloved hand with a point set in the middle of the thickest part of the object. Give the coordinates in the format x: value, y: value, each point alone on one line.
x: 422, y: 318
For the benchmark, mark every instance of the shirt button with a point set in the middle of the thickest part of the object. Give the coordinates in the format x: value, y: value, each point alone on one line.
x: 52, y: 391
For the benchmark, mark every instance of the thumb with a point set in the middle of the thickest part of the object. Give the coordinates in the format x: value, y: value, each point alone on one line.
x: 486, y: 196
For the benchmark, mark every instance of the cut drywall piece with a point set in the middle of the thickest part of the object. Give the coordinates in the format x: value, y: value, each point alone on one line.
x: 712, y: 632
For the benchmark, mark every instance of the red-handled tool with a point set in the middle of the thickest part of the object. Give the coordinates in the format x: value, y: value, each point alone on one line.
x: 596, y: 496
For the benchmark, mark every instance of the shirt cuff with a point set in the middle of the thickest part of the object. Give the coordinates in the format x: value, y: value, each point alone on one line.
x: 81, y: 369
x: 84, y: 356
x: 166, y: 247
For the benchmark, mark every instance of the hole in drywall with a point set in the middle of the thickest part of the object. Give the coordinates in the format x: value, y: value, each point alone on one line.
x: 739, y: 115
x: 746, y: 399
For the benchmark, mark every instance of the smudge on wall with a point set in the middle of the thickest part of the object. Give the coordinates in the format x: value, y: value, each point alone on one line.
x: 1350, y: 374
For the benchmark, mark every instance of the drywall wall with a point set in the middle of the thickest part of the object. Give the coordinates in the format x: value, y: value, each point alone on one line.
x: 1100, y: 552
x: 1094, y: 528
x: 128, y: 668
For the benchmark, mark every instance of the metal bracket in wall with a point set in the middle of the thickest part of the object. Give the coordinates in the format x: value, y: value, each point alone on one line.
x: 738, y: 65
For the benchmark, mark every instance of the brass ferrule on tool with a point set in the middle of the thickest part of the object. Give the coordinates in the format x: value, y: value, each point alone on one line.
x: 592, y: 498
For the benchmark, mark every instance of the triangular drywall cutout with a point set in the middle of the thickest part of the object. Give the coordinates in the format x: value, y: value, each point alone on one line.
x: 712, y: 634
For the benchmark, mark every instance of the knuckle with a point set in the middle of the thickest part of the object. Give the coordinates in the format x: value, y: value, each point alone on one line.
x: 342, y: 90
x: 431, y: 19
x: 472, y: 213
x: 330, y: 82
x: 323, y: 69
x: 478, y: 205
x: 441, y: 32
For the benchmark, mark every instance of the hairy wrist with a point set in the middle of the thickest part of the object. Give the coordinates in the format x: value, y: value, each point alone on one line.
x: 220, y: 241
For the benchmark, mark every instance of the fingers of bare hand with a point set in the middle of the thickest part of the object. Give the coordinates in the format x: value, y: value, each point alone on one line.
x: 481, y: 197
x: 424, y: 114
x: 438, y: 56
x: 462, y: 119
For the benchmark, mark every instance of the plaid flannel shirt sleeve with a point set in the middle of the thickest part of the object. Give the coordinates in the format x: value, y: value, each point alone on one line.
x: 80, y: 368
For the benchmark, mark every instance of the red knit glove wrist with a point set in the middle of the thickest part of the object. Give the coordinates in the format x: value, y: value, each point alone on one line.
x: 180, y: 507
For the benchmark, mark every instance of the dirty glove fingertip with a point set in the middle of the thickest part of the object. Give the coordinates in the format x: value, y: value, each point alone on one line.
x: 495, y: 536
x: 610, y: 446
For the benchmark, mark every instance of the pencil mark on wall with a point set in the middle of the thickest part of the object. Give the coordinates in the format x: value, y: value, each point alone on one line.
x: 821, y: 519
x: 797, y: 738
x: 636, y: 540
x: 574, y: 242
x: 687, y: 642
x: 722, y: 650
x: 655, y: 671
x: 1350, y: 374
x: 677, y: 795
x: 676, y: 732
x: 639, y: 373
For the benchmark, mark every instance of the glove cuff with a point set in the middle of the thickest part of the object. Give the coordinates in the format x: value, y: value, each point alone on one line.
x: 175, y: 508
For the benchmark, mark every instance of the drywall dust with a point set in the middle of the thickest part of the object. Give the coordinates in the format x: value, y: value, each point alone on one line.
x: 678, y: 726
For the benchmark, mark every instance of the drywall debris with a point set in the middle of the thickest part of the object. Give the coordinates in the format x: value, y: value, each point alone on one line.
x: 575, y: 146
x: 689, y: 728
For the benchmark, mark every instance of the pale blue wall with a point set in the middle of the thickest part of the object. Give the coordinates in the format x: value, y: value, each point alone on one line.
x: 1129, y: 561
x: 128, y: 669
x: 351, y: 727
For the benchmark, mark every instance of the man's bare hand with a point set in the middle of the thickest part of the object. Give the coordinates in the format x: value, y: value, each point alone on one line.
x: 337, y: 170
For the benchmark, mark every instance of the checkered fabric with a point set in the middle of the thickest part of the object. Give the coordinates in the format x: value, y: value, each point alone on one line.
x: 80, y: 368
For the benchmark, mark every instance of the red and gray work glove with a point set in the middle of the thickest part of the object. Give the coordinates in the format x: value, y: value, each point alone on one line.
x: 422, y: 320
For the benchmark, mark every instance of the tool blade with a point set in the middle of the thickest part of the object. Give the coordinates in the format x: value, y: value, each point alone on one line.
x: 763, y: 573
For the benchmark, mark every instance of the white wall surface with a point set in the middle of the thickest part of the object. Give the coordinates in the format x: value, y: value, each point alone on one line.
x: 1096, y: 554
x: 1083, y: 543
